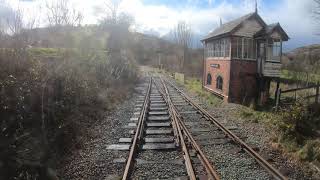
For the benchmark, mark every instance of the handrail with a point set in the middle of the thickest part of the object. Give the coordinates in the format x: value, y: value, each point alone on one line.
x: 299, y: 89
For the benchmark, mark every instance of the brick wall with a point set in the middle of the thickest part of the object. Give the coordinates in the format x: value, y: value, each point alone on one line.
x: 223, y: 70
x: 240, y: 84
x: 243, y: 82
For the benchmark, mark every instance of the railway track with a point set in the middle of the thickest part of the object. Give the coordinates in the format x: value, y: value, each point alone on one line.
x: 166, y: 143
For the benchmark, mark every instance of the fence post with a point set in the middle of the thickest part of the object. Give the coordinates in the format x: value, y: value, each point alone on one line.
x: 278, y: 98
x: 317, y: 93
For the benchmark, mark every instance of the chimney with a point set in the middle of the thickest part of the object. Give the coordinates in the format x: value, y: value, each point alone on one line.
x: 256, y: 7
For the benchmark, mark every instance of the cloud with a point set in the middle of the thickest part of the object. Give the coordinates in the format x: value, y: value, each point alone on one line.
x: 295, y: 16
x: 203, y: 16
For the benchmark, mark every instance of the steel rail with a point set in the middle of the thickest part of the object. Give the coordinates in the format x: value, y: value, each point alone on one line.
x: 174, y: 123
x: 275, y: 173
x: 138, y: 134
x: 186, y: 155
x: 210, y: 169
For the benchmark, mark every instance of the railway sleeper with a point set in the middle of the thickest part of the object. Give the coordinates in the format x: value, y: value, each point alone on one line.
x: 158, y: 118
x: 156, y: 132
x: 158, y: 112
x: 158, y: 146
x: 169, y: 139
x: 157, y: 102
x: 166, y: 124
x: 158, y: 108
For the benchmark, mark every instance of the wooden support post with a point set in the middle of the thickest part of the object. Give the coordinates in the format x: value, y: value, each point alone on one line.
x: 295, y: 93
x: 278, y: 99
x: 277, y: 89
x: 317, y: 93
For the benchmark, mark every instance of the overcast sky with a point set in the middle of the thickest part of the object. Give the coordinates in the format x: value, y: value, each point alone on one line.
x: 159, y: 16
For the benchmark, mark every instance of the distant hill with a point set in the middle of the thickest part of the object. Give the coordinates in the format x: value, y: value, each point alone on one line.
x: 305, y: 58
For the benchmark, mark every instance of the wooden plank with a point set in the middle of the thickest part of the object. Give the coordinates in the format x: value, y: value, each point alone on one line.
x: 120, y: 147
x: 158, y: 104
x: 168, y: 124
x: 161, y: 131
x: 158, y: 118
x: 158, y: 112
x: 158, y: 108
x: 125, y: 140
x: 142, y: 161
x: 134, y: 119
x: 298, y: 89
x: 158, y: 146
x: 159, y: 140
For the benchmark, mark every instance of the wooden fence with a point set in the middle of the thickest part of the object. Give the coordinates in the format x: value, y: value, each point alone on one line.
x: 280, y: 92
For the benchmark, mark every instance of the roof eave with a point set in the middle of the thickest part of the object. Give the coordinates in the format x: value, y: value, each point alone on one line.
x: 215, y: 37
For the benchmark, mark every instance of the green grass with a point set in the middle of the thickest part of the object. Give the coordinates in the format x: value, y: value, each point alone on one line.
x: 195, y: 86
x: 45, y: 52
x: 250, y: 115
x: 301, y: 76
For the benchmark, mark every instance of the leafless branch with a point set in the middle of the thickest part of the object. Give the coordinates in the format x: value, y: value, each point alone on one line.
x: 112, y: 10
x: 183, y: 36
x: 316, y: 13
x: 61, y: 13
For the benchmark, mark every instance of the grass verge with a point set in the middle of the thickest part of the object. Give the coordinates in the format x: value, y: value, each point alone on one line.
x: 194, y: 85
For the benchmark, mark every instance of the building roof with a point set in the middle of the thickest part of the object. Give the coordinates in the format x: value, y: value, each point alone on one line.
x: 229, y: 27
x: 271, y: 28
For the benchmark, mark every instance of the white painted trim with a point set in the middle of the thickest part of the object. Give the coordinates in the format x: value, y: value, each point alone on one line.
x: 214, y: 91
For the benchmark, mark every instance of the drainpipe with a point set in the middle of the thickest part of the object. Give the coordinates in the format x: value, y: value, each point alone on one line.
x: 203, y: 65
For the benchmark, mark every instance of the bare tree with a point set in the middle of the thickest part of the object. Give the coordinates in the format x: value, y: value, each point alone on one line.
x: 5, y: 12
x: 112, y: 10
x: 117, y: 23
x: 183, y: 36
x: 114, y: 16
x: 15, y: 22
x: 317, y: 13
x: 61, y: 13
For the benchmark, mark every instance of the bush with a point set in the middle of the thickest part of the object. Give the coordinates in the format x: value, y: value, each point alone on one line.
x: 47, y: 98
x: 299, y: 122
x: 310, y: 151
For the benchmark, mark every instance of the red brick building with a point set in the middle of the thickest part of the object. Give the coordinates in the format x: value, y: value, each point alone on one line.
x: 241, y: 58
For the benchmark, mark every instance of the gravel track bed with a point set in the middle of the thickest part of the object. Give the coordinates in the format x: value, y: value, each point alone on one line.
x: 229, y: 165
x: 154, y: 155
x: 255, y: 133
x: 159, y: 171
x: 93, y: 161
